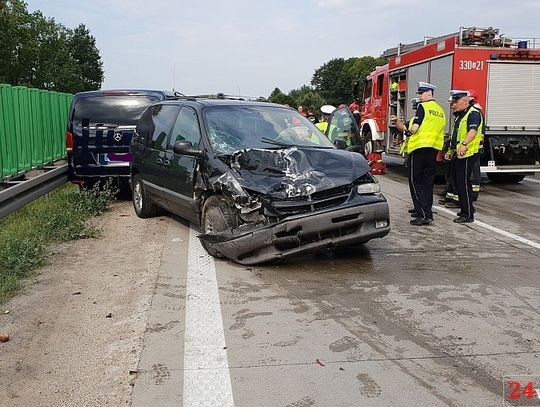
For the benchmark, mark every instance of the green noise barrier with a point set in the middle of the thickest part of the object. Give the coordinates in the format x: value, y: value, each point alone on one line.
x: 32, y: 128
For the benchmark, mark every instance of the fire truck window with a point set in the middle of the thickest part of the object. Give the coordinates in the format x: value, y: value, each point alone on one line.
x: 367, y: 90
x: 380, y: 81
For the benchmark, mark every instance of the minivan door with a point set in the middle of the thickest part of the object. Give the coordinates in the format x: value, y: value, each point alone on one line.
x: 181, y: 171
x: 154, y: 162
x: 344, y: 125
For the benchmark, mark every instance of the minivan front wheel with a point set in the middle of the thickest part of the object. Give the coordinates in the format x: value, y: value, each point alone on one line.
x: 218, y: 215
x: 144, y: 208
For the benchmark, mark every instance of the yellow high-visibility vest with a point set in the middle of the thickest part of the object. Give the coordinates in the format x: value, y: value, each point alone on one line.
x: 322, y: 126
x: 431, y: 131
x: 474, y: 145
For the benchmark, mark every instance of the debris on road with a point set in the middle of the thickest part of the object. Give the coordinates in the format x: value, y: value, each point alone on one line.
x: 319, y: 362
x: 4, y: 337
x: 109, y: 315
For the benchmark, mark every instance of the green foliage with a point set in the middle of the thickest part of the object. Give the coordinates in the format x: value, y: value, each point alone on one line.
x: 334, y: 80
x: 61, y: 216
x: 332, y: 83
x: 277, y: 96
x: 306, y: 97
x: 38, y: 52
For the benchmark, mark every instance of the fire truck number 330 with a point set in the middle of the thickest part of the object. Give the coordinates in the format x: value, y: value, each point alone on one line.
x: 467, y: 65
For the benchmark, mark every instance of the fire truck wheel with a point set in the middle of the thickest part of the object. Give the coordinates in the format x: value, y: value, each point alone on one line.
x: 368, y: 143
x: 501, y: 178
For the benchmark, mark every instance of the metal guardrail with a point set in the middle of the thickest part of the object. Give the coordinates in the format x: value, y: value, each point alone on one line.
x: 22, y: 193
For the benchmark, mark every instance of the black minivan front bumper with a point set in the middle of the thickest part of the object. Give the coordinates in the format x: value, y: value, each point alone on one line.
x: 304, y: 233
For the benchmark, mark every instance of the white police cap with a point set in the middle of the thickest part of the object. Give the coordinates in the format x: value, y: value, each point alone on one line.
x: 456, y: 94
x: 327, y: 109
x: 424, y: 86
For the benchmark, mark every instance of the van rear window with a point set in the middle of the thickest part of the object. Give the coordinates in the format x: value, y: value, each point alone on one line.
x: 116, y: 110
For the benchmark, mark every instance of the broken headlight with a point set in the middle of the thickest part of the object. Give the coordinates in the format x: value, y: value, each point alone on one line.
x: 367, y: 184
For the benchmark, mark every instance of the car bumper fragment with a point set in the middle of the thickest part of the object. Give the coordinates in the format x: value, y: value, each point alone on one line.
x: 303, y: 233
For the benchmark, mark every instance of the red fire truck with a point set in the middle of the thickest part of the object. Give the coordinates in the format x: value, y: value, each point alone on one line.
x: 504, y: 74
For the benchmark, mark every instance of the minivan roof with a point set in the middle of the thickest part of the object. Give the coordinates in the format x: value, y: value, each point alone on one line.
x: 121, y: 92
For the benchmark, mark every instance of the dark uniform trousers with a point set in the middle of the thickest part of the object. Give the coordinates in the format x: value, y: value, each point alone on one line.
x: 476, y: 175
x: 463, y: 168
x: 422, y: 170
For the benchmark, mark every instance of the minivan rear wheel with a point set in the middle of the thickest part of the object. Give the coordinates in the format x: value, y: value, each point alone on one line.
x: 218, y: 215
x: 144, y: 208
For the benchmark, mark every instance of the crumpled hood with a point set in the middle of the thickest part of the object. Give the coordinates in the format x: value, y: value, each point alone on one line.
x: 294, y: 172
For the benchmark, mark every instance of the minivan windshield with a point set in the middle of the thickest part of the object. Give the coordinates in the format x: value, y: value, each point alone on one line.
x: 232, y: 128
x: 112, y: 110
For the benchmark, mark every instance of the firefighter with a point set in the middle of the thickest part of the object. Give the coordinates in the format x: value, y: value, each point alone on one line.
x: 426, y: 139
x: 463, y: 151
x: 326, y: 111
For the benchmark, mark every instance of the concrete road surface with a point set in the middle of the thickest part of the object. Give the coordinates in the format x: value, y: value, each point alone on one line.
x: 445, y: 315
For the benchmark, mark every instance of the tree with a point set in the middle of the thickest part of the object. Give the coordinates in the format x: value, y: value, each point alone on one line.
x: 36, y: 51
x: 305, y: 96
x: 17, y: 44
x: 334, y: 80
x: 277, y: 96
x: 85, y: 53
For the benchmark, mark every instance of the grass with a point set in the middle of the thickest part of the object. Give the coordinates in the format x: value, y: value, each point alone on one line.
x: 60, y: 216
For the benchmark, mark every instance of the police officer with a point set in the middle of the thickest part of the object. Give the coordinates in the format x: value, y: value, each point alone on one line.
x: 426, y: 139
x: 476, y: 174
x: 326, y: 111
x: 463, y: 151
x: 402, y: 127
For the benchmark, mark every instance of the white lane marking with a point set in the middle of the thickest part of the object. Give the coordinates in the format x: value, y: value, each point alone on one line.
x: 494, y: 229
x: 206, y: 371
x: 531, y: 180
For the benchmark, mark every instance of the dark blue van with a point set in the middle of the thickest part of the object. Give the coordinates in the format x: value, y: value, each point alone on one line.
x: 99, y: 131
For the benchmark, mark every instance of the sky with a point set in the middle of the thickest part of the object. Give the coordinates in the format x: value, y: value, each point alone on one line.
x: 250, y: 47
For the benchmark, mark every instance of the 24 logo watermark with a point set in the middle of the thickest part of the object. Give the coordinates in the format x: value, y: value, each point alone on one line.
x: 521, y: 390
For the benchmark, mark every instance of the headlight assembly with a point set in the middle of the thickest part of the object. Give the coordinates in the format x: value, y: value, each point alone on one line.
x: 369, y: 188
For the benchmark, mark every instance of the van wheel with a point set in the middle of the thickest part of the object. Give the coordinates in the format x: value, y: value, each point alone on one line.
x: 218, y: 215
x: 368, y: 143
x: 144, y: 208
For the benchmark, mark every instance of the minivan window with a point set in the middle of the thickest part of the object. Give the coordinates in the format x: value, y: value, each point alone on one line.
x: 163, y: 117
x: 186, y: 128
x: 232, y: 128
x: 116, y: 110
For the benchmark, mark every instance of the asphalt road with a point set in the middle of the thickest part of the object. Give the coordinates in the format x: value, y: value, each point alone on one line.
x: 444, y: 315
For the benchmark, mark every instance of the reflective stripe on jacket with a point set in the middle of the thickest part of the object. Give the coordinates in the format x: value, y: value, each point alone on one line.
x: 405, y: 143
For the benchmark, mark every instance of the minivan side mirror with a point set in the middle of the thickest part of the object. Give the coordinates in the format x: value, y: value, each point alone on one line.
x: 185, y: 147
x: 340, y: 143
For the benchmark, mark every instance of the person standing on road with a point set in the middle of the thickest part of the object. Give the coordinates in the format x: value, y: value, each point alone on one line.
x: 311, y: 115
x: 464, y: 151
x: 354, y: 106
x: 476, y: 175
x: 426, y: 139
x: 402, y: 127
x: 450, y: 197
x: 326, y: 111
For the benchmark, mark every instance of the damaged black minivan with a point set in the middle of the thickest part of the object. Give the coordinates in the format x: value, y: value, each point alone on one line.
x: 260, y: 179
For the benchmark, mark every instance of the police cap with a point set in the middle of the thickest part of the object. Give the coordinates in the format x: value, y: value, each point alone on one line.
x: 424, y: 87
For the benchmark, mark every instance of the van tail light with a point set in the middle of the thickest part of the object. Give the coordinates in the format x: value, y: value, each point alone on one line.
x: 69, y: 141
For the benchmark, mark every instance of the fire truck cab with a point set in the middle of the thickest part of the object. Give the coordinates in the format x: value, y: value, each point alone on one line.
x: 503, y: 73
